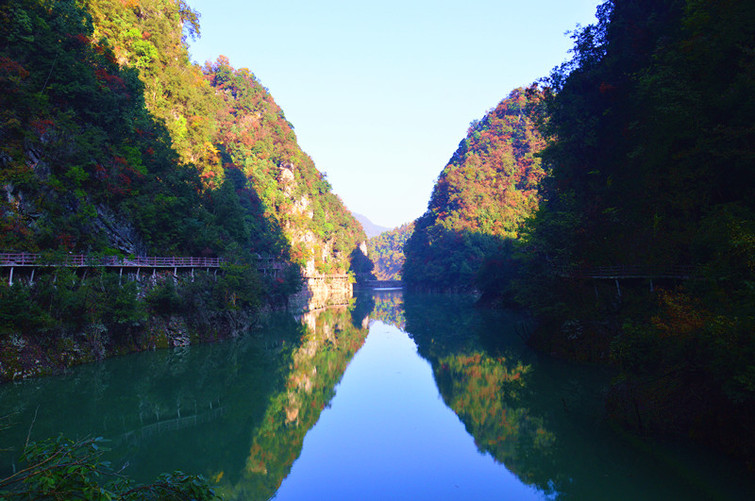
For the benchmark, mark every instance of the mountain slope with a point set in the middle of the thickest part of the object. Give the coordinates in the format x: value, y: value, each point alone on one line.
x: 136, y: 150
x: 481, y: 198
x: 370, y: 228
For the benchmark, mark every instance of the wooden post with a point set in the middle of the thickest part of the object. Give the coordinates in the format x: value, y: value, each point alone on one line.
x: 618, y: 289
x: 137, y: 273
x: 120, y: 275
x: 651, y: 285
x: 10, y: 278
x: 31, y: 280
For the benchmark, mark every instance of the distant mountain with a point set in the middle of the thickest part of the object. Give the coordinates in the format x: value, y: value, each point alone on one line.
x: 370, y: 228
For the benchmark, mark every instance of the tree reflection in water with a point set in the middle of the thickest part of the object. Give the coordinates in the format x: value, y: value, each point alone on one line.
x: 238, y: 411
x: 389, y: 307
x: 330, y: 340
x: 486, y: 386
x: 544, y: 419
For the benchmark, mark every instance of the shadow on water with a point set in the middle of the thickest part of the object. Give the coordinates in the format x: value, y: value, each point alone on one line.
x: 235, y: 411
x: 169, y: 409
x: 543, y: 419
x: 238, y: 411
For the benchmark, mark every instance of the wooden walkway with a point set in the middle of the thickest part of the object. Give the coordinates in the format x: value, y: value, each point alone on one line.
x: 617, y: 273
x: 266, y: 265
x: 25, y: 259
x: 31, y: 261
x: 628, y: 272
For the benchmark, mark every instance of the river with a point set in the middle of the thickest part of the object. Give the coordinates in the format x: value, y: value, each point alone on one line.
x: 396, y: 397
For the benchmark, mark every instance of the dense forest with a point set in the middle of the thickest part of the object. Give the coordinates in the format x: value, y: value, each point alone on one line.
x: 648, y: 148
x: 636, y: 154
x: 113, y: 143
x: 481, y: 199
x: 386, y: 251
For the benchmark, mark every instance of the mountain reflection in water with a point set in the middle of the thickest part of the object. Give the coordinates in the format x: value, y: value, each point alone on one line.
x: 440, y: 400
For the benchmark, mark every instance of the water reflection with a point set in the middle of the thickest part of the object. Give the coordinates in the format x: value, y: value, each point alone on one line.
x: 328, y: 344
x: 238, y: 411
x: 543, y: 419
x: 185, y: 409
x: 389, y: 307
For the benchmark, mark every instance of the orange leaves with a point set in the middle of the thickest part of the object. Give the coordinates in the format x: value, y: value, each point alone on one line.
x: 41, y: 126
x: 680, y: 316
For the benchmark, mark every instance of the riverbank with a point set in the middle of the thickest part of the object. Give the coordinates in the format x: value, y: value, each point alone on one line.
x: 681, y: 357
x: 63, y: 320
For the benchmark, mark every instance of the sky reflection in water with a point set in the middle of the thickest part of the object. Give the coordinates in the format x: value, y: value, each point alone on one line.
x: 388, y: 435
x: 391, y: 399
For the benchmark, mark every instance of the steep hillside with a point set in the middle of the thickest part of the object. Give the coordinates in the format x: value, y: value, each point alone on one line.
x: 651, y: 157
x: 387, y: 251
x: 256, y: 140
x: 481, y: 198
x: 87, y: 168
x: 113, y: 143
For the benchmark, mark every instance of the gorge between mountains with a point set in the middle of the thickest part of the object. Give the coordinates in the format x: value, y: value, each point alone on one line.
x: 572, y: 317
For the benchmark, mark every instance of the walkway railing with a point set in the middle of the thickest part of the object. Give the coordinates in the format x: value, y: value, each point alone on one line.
x: 627, y: 272
x: 81, y: 260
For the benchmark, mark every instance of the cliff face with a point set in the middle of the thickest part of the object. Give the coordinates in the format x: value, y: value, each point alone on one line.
x: 321, y: 292
x: 293, y: 197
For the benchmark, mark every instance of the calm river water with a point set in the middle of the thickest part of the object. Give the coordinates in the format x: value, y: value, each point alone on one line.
x: 397, y: 397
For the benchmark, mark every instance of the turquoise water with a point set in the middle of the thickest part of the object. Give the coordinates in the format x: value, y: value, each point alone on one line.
x: 416, y: 397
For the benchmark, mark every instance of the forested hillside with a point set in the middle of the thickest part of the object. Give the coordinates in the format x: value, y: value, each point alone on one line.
x: 481, y: 199
x: 85, y: 167
x: 105, y: 115
x: 225, y: 123
x: 113, y: 143
x: 651, y: 155
x: 387, y: 251
x: 650, y: 174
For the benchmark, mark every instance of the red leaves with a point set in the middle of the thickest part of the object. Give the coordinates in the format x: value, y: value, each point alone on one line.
x: 66, y: 240
x: 100, y: 173
x: 113, y: 82
x: 81, y: 38
x: 41, y: 126
x: 11, y: 68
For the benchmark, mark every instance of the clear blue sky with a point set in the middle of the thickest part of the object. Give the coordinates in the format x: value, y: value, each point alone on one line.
x: 381, y: 93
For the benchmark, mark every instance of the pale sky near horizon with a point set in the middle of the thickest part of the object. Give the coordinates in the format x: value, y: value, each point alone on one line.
x: 380, y: 93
